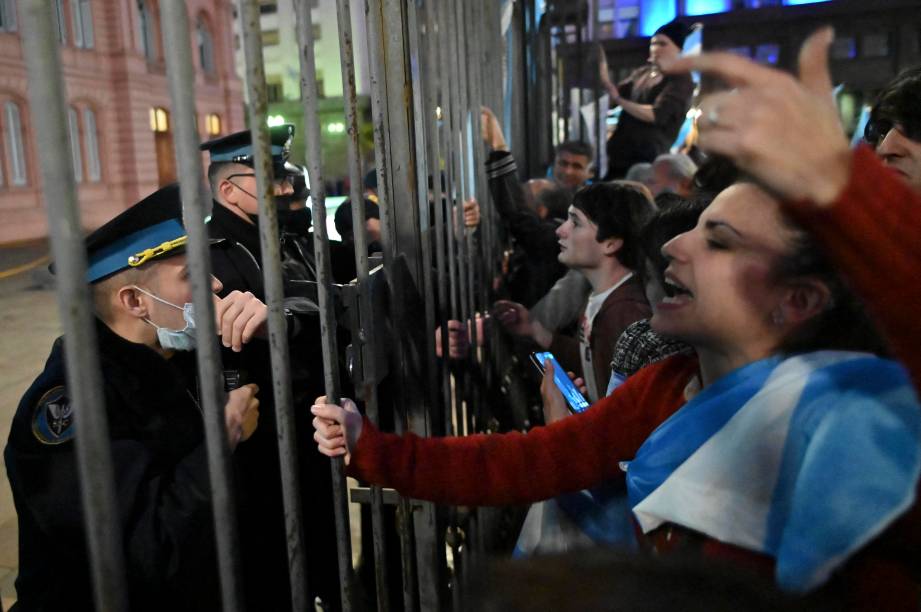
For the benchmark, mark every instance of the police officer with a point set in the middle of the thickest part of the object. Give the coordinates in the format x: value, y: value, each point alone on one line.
x: 146, y: 327
x: 238, y: 264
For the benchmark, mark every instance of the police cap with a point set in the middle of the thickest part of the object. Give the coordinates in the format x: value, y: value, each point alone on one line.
x: 151, y: 229
x: 238, y: 148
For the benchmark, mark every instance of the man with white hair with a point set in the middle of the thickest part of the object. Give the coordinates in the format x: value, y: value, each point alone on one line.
x: 672, y: 173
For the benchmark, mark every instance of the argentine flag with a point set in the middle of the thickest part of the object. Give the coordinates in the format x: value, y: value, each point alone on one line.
x: 805, y: 459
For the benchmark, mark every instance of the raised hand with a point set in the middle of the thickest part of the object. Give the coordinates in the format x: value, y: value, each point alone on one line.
x: 782, y: 130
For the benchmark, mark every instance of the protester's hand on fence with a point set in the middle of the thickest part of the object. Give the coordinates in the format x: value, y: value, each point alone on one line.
x: 555, y: 407
x: 471, y: 213
x: 241, y: 414
x: 240, y: 316
x: 514, y: 317
x: 338, y: 427
x: 783, y: 130
x: 458, y: 340
x: 491, y: 130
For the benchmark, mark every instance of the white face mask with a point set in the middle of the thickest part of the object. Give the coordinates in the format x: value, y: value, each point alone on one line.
x: 175, y: 339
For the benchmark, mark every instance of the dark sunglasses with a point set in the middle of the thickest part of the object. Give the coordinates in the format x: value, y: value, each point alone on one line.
x: 878, y: 127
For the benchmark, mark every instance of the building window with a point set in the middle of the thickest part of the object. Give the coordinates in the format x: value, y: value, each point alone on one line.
x: 91, y: 143
x: 268, y: 8
x: 15, y: 150
x: 75, y: 156
x: 876, y: 45
x: 159, y: 120
x: 269, y: 38
x: 768, y: 53
x: 146, y: 31
x: 59, y: 21
x: 274, y: 92
x: 81, y: 12
x: 213, y: 124
x: 7, y: 15
x: 205, y: 47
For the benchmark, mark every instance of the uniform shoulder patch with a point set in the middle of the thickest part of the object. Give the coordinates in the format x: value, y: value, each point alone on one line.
x: 53, y: 417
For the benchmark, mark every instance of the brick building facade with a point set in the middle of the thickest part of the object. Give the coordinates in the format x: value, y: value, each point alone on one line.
x: 118, y: 102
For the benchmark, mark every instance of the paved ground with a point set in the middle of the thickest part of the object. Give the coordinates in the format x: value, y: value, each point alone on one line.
x: 29, y: 323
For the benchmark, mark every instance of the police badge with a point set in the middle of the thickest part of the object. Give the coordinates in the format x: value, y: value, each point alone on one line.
x: 52, y: 419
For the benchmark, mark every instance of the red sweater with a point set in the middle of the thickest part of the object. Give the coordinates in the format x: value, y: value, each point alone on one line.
x: 873, y: 235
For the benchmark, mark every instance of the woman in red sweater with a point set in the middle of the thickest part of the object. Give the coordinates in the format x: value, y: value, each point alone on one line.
x: 766, y: 448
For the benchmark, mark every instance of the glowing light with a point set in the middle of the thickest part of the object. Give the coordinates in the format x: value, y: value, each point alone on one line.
x: 794, y: 2
x: 159, y: 120
x: 655, y: 13
x: 273, y: 120
x: 706, y: 7
x: 337, y: 127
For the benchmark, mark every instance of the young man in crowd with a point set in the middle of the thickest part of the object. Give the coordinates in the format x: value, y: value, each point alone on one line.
x: 599, y: 239
x: 572, y: 164
x: 894, y: 128
x: 146, y: 329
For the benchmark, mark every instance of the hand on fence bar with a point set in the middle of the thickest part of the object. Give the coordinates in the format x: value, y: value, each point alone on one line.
x: 492, y: 130
x: 783, y: 130
x: 459, y: 338
x: 516, y: 319
x: 240, y: 316
x: 555, y: 407
x: 338, y: 427
x: 241, y: 414
x: 471, y: 213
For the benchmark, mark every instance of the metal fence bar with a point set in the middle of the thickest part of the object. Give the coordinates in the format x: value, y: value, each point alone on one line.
x: 195, y: 207
x: 310, y: 97
x: 428, y: 521
x: 84, y: 380
x: 386, y: 73
x: 432, y: 88
x: 270, y: 248
x: 365, y: 339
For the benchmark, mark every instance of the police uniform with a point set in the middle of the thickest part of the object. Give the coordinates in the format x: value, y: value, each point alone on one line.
x: 158, y: 452
x: 238, y: 265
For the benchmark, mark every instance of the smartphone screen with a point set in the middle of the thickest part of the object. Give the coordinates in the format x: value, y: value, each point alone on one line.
x: 577, y: 403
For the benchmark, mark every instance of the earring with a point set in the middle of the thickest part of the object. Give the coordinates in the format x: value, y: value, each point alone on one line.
x: 777, y: 318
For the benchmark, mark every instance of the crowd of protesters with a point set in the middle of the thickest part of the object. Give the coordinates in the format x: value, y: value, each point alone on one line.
x: 743, y: 326
x: 766, y: 413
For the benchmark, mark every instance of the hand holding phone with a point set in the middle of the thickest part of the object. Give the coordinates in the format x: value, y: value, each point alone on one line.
x: 574, y: 399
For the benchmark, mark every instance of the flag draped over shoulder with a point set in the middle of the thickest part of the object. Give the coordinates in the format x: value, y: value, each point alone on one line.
x: 805, y: 459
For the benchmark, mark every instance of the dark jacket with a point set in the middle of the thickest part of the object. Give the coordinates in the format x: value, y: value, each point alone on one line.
x: 637, y: 141
x: 237, y: 264
x: 161, y: 484
x: 534, y: 266
x: 622, y: 307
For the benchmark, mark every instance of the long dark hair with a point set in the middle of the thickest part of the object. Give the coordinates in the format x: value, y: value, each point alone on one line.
x: 844, y: 324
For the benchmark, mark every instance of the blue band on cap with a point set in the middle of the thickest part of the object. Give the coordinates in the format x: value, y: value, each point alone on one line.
x: 114, y: 257
x: 230, y: 155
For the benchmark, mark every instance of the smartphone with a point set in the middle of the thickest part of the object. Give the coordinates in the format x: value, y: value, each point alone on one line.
x: 577, y: 403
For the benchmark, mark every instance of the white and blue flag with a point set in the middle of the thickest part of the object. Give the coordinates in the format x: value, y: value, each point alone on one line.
x: 805, y: 459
